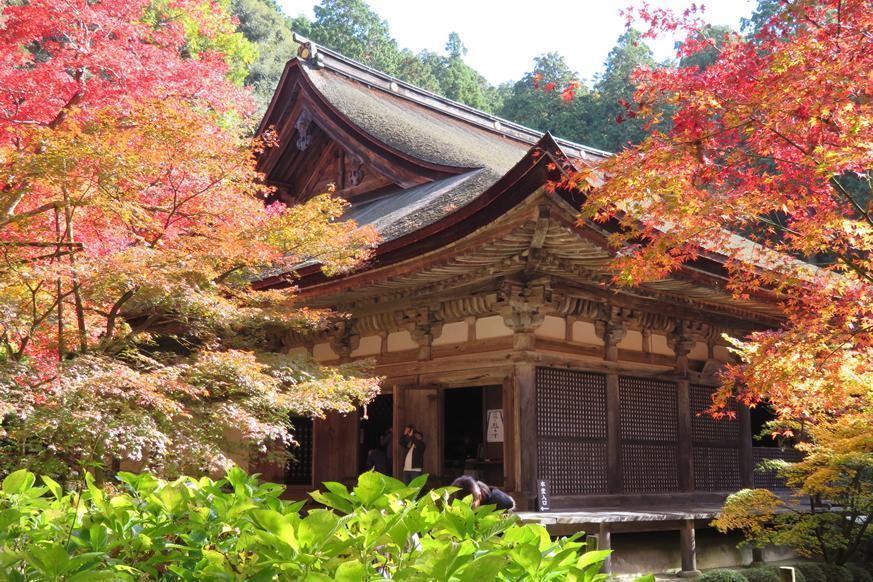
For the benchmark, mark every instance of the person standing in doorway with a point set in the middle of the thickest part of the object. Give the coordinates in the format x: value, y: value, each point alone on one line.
x: 413, y: 464
x: 386, y: 441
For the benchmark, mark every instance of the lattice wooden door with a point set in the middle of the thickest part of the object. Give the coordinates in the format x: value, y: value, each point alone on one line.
x: 571, y: 430
x: 649, y: 430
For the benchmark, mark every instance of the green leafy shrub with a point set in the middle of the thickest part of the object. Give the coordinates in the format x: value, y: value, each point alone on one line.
x: 769, y: 574
x: 722, y: 576
x: 762, y: 574
x: 837, y: 573
x: 237, y: 528
x: 813, y: 572
x: 859, y: 573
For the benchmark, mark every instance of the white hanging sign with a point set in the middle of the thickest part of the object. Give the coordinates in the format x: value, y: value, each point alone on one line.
x: 495, y: 426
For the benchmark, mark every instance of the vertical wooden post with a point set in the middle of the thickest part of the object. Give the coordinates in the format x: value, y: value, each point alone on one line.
x: 397, y: 423
x: 525, y: 390
x: 613, y: 435
x: 604, y: 542
x: 682, y: 345
x: 686, y: 460
x: 747, y: 464
x: 688, y: 548
x: 509, y: 449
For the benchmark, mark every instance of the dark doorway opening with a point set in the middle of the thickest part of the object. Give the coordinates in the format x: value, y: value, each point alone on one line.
x: 466, y: 447
x: 760, y: 416
x: 374, y: 440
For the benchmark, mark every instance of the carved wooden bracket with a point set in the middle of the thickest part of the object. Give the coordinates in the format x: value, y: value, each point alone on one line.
x: 424, y: 325
x: 345, y: 340
x: 303, y: 125
x: 355, y: 171
x: 524, y: 306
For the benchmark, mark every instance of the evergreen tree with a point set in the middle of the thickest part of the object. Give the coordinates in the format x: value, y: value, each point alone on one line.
x: 616, y: 86
x: 354, y: 29
x: 535, y: 101
x: 714, y: 36
x: 459, y: 81
x: 262, y: 23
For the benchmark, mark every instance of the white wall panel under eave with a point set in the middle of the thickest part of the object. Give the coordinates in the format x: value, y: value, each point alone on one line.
x: 553, y: 327
x: 491, y: 326
x: 452, y: 333
x: 370, y: 345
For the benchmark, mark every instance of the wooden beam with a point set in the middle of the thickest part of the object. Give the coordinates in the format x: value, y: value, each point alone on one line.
x: 686, y: 461
x: 613, y: 436
x: 524, y: 378
x: 604, y: 542
x: 747, y: 464
x: 509, y: 432
x: 688, y: 548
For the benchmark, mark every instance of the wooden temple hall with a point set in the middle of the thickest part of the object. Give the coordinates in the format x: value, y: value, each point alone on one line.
x: 485, y: 311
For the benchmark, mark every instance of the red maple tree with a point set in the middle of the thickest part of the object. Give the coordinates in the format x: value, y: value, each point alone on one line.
x: 132, y: 221
x: 773, y: 141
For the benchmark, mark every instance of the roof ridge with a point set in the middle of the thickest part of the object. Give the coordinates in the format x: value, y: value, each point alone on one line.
x: 312, y: 54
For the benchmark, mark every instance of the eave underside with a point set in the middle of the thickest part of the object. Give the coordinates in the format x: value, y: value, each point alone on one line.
x: 536, y: 239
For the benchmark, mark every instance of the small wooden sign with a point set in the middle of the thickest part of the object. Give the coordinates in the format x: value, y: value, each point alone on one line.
x: 544, y: 498
x: 494, y: 434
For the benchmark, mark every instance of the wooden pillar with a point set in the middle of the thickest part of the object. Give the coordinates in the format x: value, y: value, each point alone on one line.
x: 612, y: 332
x: 757, y: 556
x: 686, y: 459
x: 613, y: 436
x: 509, y: 432
x: 604, y: 542
x: 747, y: 464
x: 688, y: 549
x: 526, y: 394
x: 682, y: 345
x: 397, y: 423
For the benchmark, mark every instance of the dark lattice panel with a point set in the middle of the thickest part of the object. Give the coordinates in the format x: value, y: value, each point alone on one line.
x: 706, y: 429
x: 649, y: 468
x: 573, y: 468
x: 769, y: 479
x: 648, y: 409
x: 716, y: 469
x: 571, y: 404
x: 298, y: 470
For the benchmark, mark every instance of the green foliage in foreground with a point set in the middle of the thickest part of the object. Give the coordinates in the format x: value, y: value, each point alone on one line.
x: 237, y: 528
x: 722, y: 576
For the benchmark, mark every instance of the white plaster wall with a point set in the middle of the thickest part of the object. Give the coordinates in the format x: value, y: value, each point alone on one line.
x: 491, y: 326
x: 658, y: 344
x: 453, y: 333
x: 721, y: 354
x: 700, y: 351
x: 401, y: 340
x: 552, y: 327
x: 370, y: 345
x: 583, y: 331
x: 633, y: 340
x: 322, y: 352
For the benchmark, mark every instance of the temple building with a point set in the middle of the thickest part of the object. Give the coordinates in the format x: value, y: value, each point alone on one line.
x: 488, y: 310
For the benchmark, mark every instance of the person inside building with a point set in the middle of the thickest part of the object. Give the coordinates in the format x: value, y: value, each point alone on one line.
x: 377, y: 460
x: 413, y: 464
x: 481, y: 493
x: 386, y: 442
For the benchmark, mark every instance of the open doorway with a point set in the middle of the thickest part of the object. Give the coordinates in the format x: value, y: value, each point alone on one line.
x: 374, y: 439
x: 469, y: 447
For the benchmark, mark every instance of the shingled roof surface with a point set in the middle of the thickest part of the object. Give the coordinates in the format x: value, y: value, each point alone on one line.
x: 429, y: 128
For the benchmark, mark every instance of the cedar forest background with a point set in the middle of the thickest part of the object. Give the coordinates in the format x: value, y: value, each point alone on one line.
x: 593, y: 116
